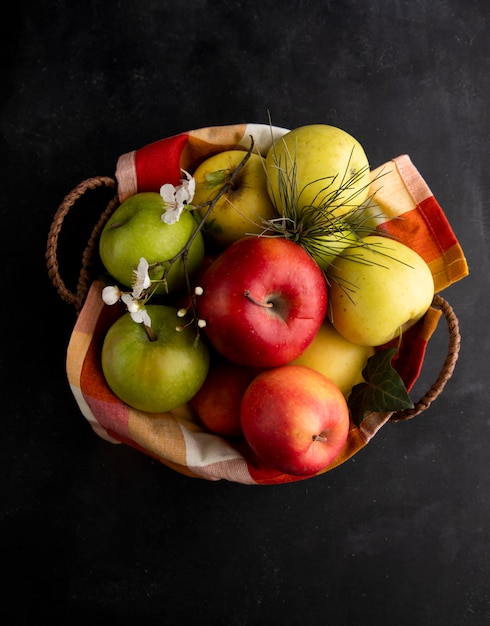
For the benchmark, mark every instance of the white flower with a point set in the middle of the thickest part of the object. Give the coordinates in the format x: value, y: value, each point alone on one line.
x: 175, y: 198
x: 111, y: 294
x: 141, y: 278
x: 136, y: 309
x: 189, y: 185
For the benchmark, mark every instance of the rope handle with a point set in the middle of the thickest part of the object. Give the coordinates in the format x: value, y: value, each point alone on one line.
x: 77, y: 297
x: 447, y: 368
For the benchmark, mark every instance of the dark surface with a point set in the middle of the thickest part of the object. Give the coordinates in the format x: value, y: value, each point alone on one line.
x: 91, y: 531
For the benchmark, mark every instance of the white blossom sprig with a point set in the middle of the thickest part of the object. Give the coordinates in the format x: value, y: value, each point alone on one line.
x: 200, y: 323
x: 176, y: 199
x: 134, y: 300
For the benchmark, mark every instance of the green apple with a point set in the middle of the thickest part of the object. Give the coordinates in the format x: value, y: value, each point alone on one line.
x: 136, y: 230
x: 378, y: 290
x: 317, y: 165
x: 241, y: 210
x: 336, y: 357
x: 154, y: 375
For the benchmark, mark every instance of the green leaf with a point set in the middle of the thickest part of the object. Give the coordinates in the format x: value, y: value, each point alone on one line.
x: 383, y: 391
x: 213, y: 179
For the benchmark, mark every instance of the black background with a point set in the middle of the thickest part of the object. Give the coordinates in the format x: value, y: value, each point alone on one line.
x: 94, y: 531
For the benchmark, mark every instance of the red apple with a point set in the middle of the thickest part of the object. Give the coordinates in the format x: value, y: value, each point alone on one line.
x: 263, y: 301
x: 294, y: 419
x: 218, y: 400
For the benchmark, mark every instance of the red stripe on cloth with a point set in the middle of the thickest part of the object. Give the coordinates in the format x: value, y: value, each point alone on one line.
x: 437, y: 222
x: 410, y: 356
x: 159, y: 163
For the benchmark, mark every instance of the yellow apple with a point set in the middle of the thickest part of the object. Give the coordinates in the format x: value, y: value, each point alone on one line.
x: 378, y: 290
x: 317, y: 165
x: 243, y: 209
x: 336, y: 357
x: 324, y: 248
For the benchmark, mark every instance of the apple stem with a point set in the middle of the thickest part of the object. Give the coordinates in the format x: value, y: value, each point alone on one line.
x: 247, y: 295
x: 321, y: 437
x: 150, y: 333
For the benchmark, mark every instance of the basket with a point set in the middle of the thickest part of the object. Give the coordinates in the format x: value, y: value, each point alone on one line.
x: 178, y: 439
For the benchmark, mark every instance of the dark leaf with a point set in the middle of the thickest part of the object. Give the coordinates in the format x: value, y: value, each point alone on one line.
x: 383, y: 391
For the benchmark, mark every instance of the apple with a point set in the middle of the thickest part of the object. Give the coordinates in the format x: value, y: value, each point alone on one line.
x: 263, y: 301
x: 154, y: 375
x: 325, y: 247
x: 378, y: 290
x: 336, y: 357
x: 136, y: 230
x: 317, y: 165
x: 294, y: 419
x: 218, y: 401
x: 241, y: 210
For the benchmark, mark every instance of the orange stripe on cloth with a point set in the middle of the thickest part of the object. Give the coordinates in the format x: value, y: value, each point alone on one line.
x: 389, y: 195
x: 159, y: 434
x: 403, y: 207
x: 449, y: 268
x: 84, y: 365
x: 206, y: 142
x: 426, y: 230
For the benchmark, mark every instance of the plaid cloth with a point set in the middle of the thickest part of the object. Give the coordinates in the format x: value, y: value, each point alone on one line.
x: 403, y: 206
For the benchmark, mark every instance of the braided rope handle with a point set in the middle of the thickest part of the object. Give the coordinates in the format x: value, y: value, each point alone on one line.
x: 447, y: 368
x: 77, y: 297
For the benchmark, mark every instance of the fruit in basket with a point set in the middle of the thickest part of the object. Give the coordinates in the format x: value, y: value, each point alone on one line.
x: 263, y: 301
x: 295, y: 419
x: 154, y: 375
x: 325, y: 247
x: 241, y: 210
x: 378, y: 290
x: 136, y: 230
x: 336, y: 357
x: 317, y: 165
x: 218, y: 401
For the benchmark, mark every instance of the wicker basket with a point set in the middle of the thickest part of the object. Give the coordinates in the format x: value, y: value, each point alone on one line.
x: 177, y: 438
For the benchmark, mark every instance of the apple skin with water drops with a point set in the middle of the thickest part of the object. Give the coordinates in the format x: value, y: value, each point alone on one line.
x: 295, y: 419
x: 263, y: 301
x: 136, y: 230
